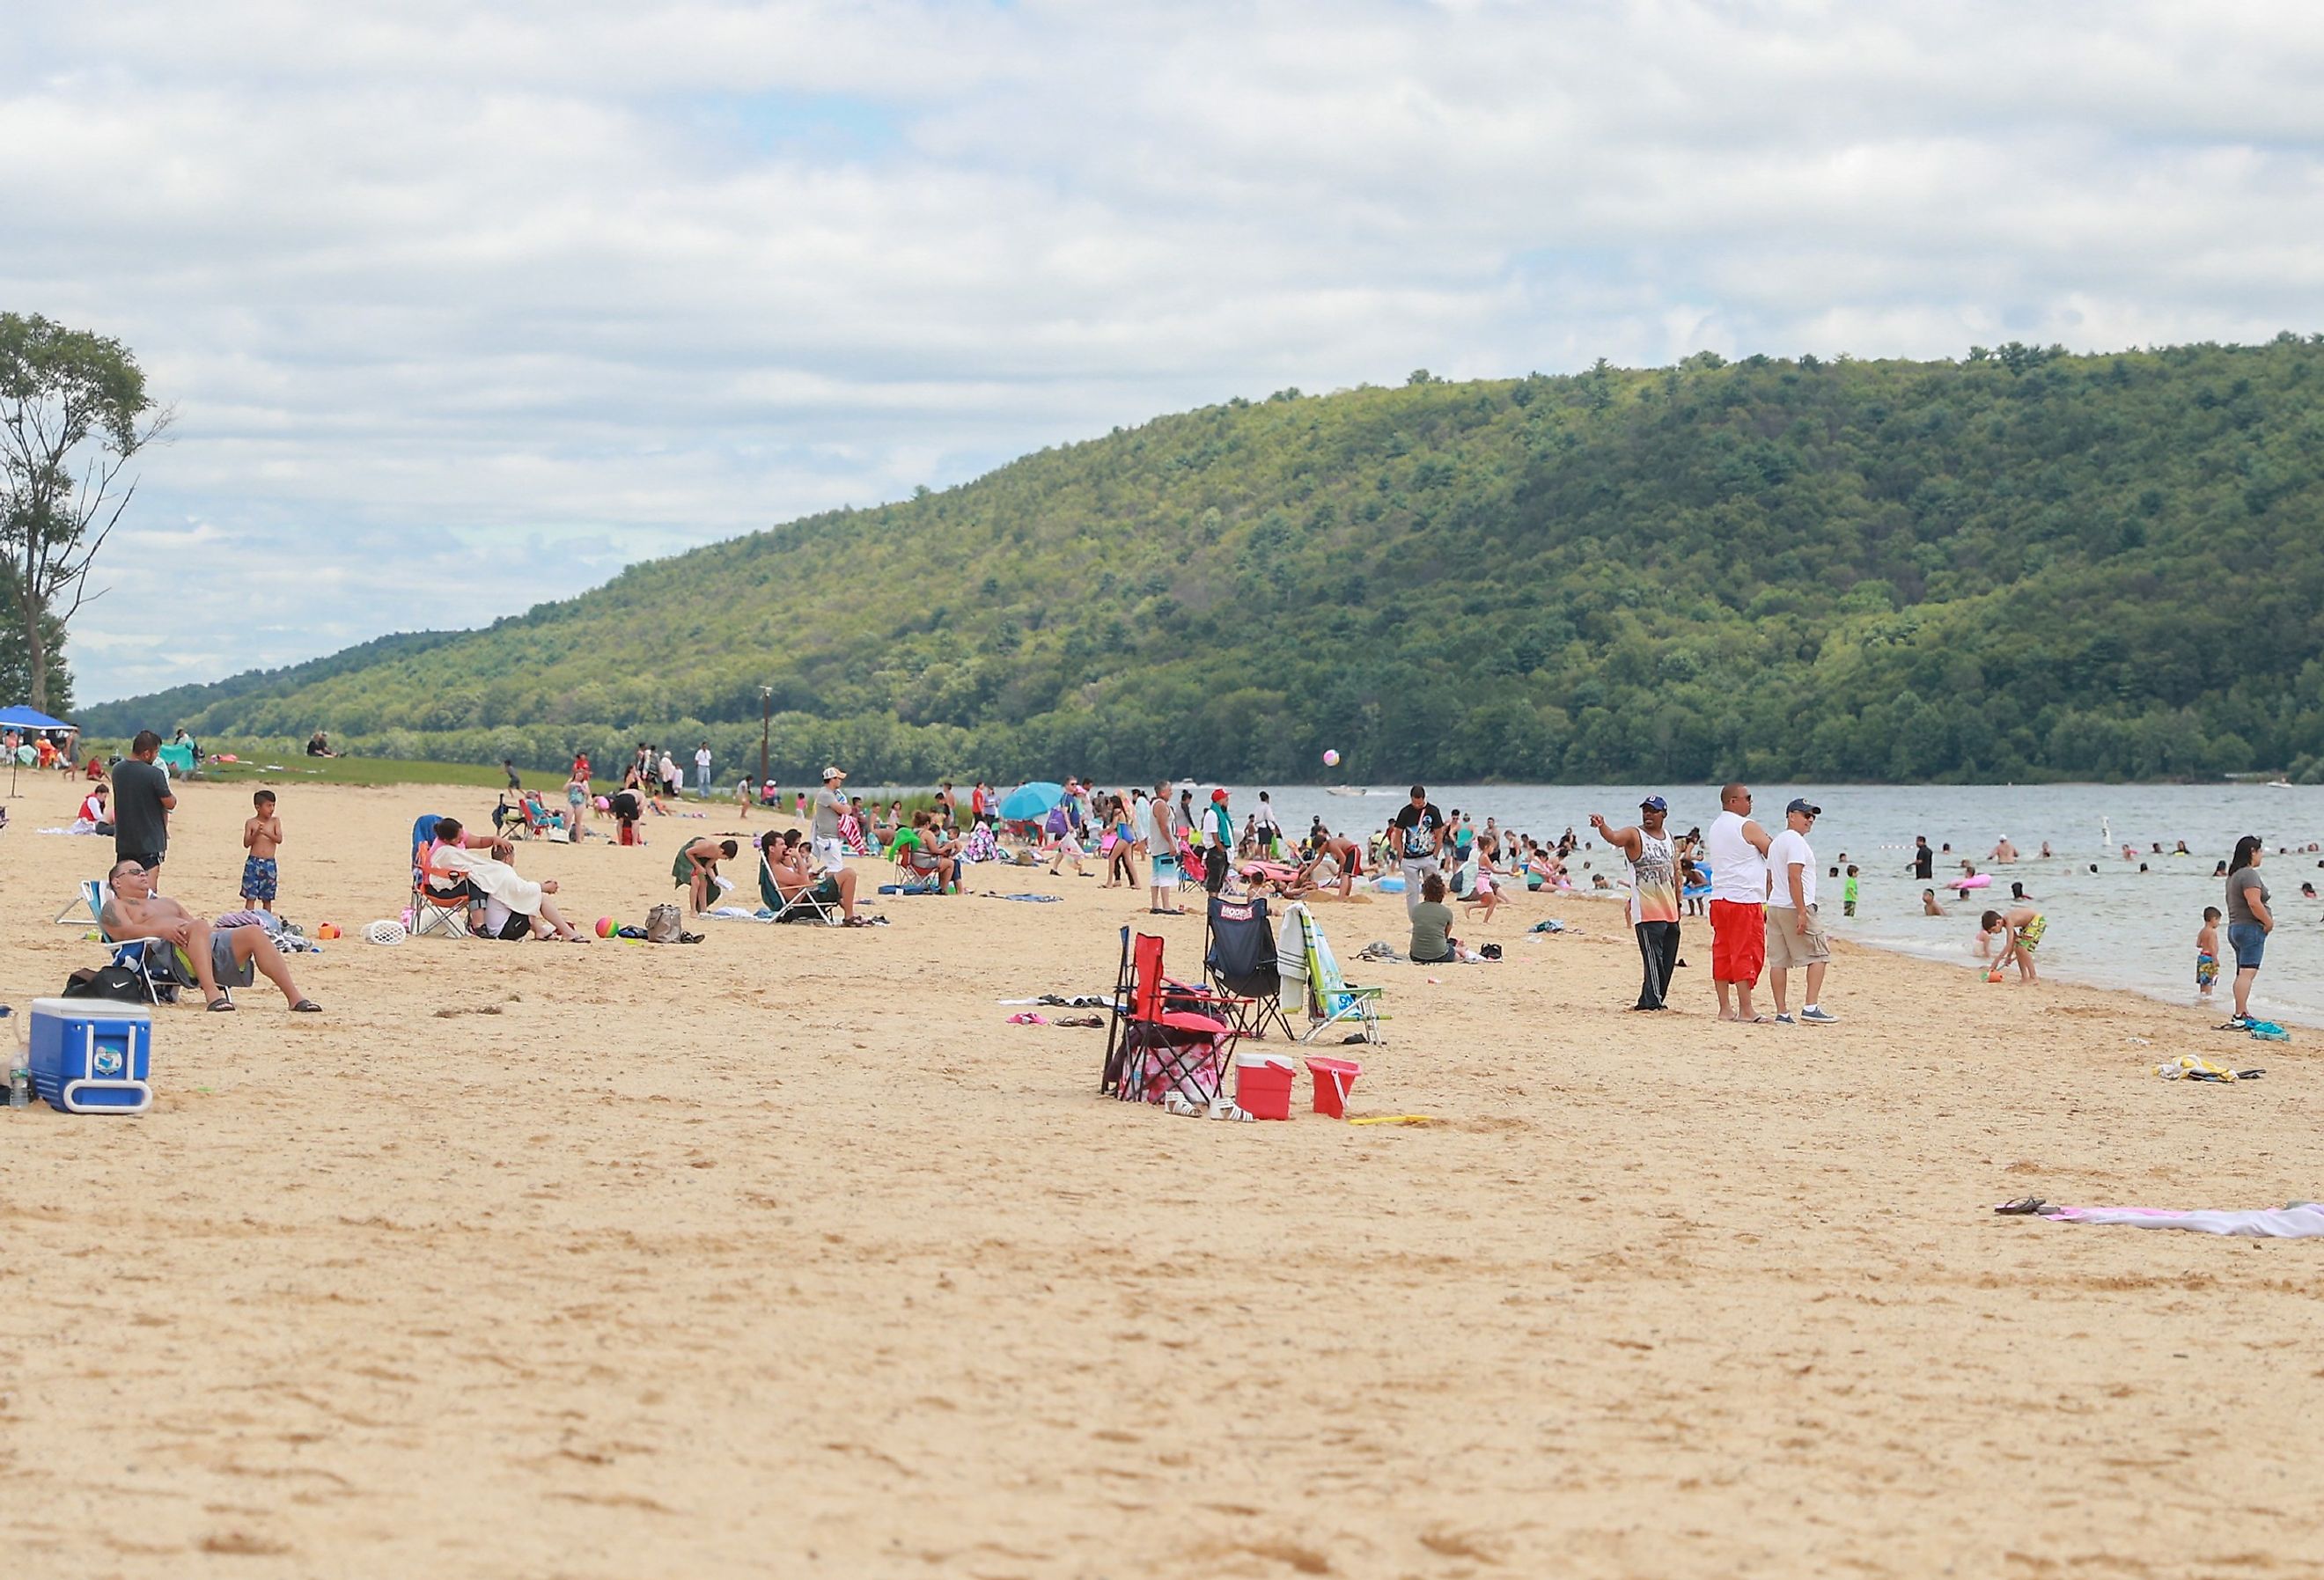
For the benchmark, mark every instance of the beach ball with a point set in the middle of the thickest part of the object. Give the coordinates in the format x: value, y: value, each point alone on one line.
x: 1331, y: 759
x: 605, y: 927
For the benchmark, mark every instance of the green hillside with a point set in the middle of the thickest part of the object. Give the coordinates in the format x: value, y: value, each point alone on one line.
x: 2019, y: 565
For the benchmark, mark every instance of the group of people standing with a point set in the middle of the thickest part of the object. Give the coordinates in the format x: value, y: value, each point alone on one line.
x: 1764, y: 917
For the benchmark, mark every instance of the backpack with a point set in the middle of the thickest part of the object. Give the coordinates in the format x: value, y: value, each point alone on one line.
x: 664, y: 923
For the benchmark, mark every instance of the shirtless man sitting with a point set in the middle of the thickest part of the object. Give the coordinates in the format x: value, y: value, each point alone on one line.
x: 135, y: 911
x: 787, y: 870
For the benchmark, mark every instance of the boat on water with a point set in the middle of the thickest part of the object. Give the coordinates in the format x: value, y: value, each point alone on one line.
x: 2279, y: 784
x: 1344, y: 790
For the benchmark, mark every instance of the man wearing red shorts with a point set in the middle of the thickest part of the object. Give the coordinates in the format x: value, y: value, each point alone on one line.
x: 1738, y: 849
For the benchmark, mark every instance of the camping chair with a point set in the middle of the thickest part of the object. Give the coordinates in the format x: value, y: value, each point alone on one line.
x: 1239, y: 959
x: 148, y: 959
x: 1166, y: 1037
x: 432, y: 911
x: 907, y: 853
x: 539, y: 822
x: 803, y: 906
x: 1303, y: 956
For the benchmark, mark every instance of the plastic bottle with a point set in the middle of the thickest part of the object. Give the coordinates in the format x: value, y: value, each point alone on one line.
x: 20, y: 1062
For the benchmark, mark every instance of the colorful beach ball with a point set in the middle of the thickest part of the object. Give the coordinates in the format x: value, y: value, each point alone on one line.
x: 605, y: 927
x: 1331, y: 759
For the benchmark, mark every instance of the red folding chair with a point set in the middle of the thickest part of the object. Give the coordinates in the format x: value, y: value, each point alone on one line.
x: 1166, y: 1037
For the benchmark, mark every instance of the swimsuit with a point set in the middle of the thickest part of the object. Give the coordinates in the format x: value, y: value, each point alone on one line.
x: 258, y: 878
x: 2206, y: 968
x: 2029, y: 937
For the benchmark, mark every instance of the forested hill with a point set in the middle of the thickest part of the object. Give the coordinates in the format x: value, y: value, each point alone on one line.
x: 2019, y: 565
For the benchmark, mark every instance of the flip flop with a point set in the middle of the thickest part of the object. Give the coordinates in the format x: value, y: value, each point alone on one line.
x: 306, y: 1007
x: 221, y: 1005
x: 2024, y: 1206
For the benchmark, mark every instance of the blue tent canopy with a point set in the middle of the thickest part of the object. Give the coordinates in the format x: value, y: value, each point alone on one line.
x: 26, y: 718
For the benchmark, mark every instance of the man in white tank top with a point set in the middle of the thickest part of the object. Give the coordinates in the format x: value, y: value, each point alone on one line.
x: 1738, y: 849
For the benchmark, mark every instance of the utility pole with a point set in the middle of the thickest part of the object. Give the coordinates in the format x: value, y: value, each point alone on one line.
x: 766, y: 722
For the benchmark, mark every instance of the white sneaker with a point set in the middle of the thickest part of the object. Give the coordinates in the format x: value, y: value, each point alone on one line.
x: 1814, y: 1016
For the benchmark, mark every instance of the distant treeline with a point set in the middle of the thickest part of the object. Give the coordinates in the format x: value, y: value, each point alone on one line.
x: 2022, y: 564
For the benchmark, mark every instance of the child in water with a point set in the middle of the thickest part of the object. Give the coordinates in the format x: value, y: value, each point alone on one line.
x: 1847, y: 894
x: 2207, y: 954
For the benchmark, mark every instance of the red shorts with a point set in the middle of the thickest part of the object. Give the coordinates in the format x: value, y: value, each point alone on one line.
x: 1738, y: 941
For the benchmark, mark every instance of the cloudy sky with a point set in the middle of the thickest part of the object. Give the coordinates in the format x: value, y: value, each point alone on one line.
x: 465, y: 305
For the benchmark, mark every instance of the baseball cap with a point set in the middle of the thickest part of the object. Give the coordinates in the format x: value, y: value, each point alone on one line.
x: 835, y: 773
x: 1655, y: 803
x: 1801, y: 804
x: 1218, y: 795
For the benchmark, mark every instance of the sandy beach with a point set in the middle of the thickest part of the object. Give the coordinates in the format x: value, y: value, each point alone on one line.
x: 783, y: 1255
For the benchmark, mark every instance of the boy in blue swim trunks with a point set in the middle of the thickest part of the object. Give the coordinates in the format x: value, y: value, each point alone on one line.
x: 262, y: 835
x: 2206, y: 953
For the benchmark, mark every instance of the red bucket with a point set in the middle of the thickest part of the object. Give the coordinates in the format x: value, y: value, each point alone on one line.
x: 1263, y: 1085
x: 1334, y: 1079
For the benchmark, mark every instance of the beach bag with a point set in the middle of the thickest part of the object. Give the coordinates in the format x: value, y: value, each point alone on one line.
x: 117, y: 983
x: 664, y: 924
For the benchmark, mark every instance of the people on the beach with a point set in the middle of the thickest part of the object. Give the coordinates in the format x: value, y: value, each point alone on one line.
x: 2010, y: 935
x: 1416, y: 834
x: 490, y: 877
x: 1433, y: 943
x: 696, y: 870
x: 2249, y: 919
x: 262, y: 837
x: 1796, y: 934
x: 141, y: 803
x: 2207, y: 954
x: 1162, y: 852
x: 785, y: 873
x: 1738, y: 847
x: 204, y: 953
x: 1653, y: 896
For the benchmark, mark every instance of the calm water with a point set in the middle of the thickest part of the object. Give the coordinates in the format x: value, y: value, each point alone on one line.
x: 2117, y: 927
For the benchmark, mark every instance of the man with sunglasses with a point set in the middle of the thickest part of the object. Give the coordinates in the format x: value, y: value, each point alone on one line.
x: 207, y: 954
x: 1738, y: 849
x: 1796, y: 934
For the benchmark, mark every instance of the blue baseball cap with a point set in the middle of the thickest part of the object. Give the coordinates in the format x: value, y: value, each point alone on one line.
x: 1655, y: 803
x: 1801, y: 804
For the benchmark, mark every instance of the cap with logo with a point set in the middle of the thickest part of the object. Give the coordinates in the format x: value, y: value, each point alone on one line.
x: 1801, y: 804
x: 1654, y: 804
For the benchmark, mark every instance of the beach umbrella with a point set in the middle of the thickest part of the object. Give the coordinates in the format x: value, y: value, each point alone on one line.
x: 1029, y: 801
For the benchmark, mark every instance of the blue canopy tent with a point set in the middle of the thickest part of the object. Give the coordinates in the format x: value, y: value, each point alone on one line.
x: 23, y: 721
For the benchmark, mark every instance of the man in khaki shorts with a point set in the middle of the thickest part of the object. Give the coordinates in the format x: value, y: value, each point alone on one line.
x: 1794, y: 931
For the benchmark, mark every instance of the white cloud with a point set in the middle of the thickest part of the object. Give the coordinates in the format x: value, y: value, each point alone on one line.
x: 465, y: 305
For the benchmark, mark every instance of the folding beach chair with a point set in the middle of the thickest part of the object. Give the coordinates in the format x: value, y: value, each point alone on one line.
x: 1305, y: 957
x: 539, y: 823
x: 1239, y: 958
x: 431, y: 911
x: 803, y: 906
x: 1166, y: 1037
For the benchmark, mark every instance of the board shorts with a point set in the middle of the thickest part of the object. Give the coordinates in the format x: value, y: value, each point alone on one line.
x: 2029, y: 937
x: 1165, y: 871
x: 259, y: 877
x: 2207, y: 969
x: 1787, y: 948
x: 1738, y: 940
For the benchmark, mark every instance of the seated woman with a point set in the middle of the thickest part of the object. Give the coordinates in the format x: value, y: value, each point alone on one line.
x: 1433, y: 943
x: 696, y: 867
x: 783, y: 873
x: 927, y: 851
x: 488, y: 880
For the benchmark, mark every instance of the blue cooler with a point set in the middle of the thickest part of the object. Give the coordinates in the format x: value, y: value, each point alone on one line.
x: 92, y: 1055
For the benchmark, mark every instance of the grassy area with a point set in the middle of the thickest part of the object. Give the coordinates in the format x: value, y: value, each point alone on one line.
x: 363, y: 771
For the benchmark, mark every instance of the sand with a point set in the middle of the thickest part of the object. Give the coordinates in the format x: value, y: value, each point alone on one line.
x: 783, y: 1254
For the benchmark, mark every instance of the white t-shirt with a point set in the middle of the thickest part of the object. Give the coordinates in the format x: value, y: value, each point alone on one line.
x: 1737, y: 872
x: 1785, y: 848
x: 702, y: 758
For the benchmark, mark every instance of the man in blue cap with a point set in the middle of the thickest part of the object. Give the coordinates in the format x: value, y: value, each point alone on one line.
x: 1653, y: 896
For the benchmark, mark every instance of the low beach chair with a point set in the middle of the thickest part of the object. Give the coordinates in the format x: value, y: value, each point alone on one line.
x: 1305, y: 957
x: 804, y: 906
x: 1165, y: 1037
x: 148, y: 959
x: 540, y: 823
x: 1239, y: 957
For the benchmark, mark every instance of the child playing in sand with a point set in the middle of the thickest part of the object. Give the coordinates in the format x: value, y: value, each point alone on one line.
x: 2207, y: 954
x: 262, y: 837
x: 1847, y: 894
x: 2015, y: 935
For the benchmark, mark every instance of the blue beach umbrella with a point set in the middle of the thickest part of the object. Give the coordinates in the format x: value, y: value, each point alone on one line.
x: 1029, y: 801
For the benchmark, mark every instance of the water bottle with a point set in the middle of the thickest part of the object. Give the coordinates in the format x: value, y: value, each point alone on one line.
x: 20, y: 1062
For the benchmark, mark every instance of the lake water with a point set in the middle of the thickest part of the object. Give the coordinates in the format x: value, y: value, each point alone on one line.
x: 2117, y: 927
